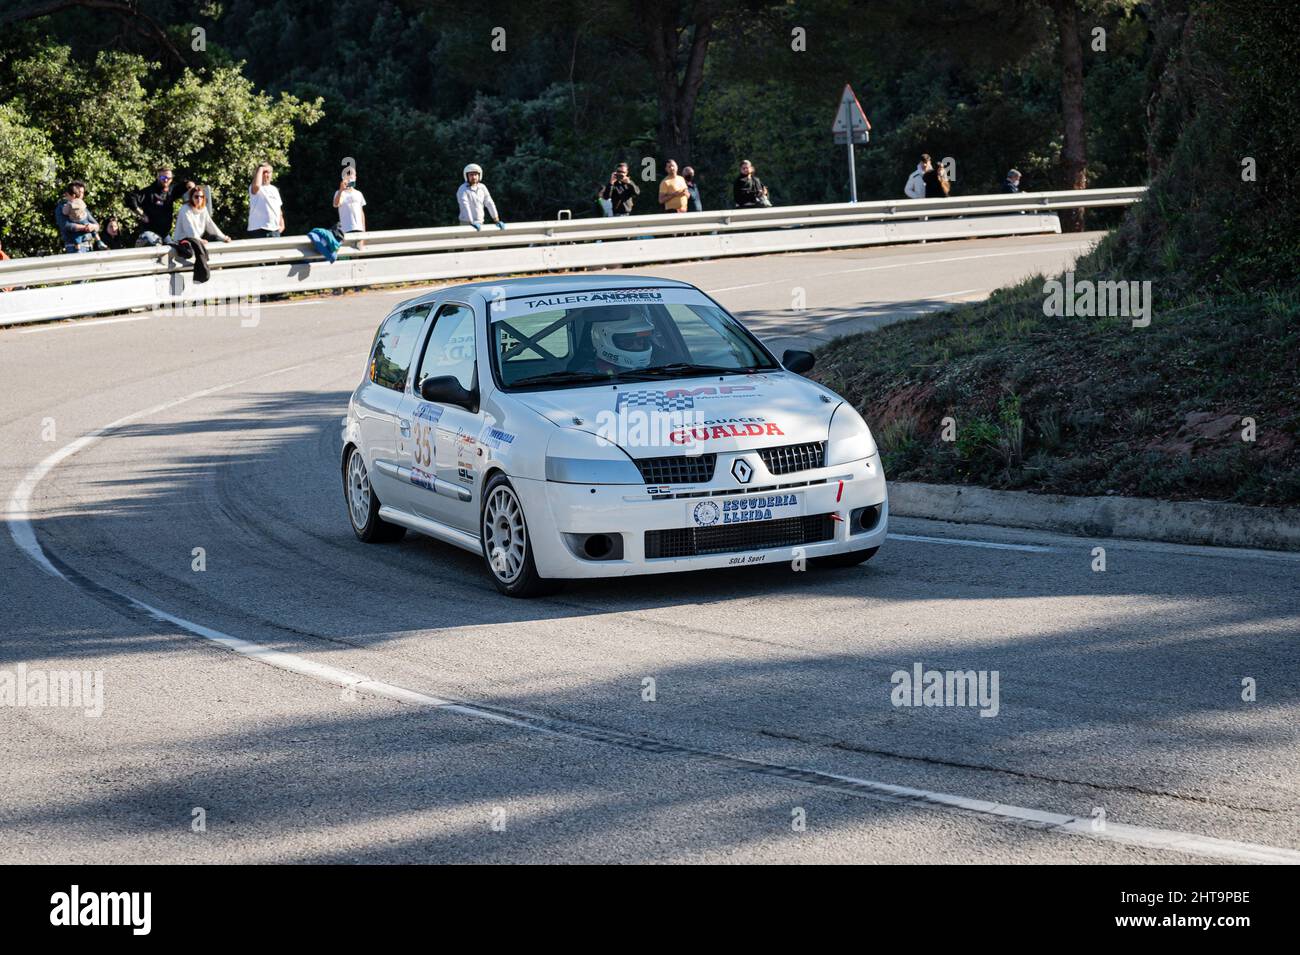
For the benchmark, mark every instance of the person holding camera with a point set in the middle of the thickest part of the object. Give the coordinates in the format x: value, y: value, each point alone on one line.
x: 350, y: 203
x: 621, y: 191
x: 265, y: 207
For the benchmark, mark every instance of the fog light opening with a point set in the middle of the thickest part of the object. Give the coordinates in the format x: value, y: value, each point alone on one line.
x: 597, y: 546
x: 864, y: 519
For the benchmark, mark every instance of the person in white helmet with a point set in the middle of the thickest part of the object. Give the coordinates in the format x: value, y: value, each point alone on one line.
x: 624, y: 344
x: 474, y: 199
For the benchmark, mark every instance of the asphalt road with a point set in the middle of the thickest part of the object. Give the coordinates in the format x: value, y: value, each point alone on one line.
x: 490, y: 729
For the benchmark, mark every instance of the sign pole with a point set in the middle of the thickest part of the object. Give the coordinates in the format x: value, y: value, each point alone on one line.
x: 853, y: 175
x: 851, y: 122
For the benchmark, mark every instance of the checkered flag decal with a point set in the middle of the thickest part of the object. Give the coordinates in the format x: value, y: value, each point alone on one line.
x: 653, y: 399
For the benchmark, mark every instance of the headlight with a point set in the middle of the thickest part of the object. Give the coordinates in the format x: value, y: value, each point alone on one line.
x: 850, y: 438
x: 579, y: 457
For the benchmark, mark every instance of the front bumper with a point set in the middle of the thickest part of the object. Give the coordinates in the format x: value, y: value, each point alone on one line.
x: 558, y: 513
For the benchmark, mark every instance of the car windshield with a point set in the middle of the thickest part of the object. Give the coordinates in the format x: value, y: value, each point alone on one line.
x: 611, y: 335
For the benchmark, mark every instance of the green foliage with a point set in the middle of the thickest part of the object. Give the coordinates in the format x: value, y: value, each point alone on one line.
x: 413, y: 91
x: 27, y: 177
x: 109, y: 123
x: 1222, y: 85
x: 976, y: 439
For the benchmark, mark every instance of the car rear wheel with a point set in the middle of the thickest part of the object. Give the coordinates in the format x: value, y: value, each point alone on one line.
x: 848, y: 559
x: 507, y: 548
x: 363, y: 504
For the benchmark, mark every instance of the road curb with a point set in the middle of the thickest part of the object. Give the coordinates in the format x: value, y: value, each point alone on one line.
x: 1175, y: 522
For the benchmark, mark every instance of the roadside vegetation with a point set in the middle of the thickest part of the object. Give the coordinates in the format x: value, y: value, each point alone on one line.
x: 1200, y: 404
x: 547, y: 96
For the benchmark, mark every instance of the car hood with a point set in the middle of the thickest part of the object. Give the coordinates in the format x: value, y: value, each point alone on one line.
x: 694, y: 415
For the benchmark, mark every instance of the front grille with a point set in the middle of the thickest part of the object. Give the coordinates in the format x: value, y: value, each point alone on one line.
x: 732, y: 538
x: 794, y: 457
x: 679, y: 469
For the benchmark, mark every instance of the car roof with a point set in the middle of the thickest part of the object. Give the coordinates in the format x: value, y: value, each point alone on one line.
x: 550, y: 285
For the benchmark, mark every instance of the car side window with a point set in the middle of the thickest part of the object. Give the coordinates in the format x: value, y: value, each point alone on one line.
x: 395, y: 342
x: 450, y: 349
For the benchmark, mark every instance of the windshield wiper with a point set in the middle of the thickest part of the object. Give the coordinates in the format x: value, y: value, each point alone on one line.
x: 567, y: 378
x: 680, y: 368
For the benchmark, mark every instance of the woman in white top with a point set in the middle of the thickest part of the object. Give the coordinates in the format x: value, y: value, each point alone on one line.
x: 194, y: 221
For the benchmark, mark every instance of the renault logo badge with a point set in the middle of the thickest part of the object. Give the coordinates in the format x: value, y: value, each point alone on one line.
x: 741, y: 471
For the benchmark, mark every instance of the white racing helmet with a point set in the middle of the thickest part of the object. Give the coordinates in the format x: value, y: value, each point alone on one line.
x: 627, y: 342
x: 472, y: 167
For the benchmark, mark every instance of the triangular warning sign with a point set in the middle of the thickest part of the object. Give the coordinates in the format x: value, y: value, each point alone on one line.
x: 850, y: 114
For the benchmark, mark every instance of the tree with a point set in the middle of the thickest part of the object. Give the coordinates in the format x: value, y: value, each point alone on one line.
x: 676, y: 42
x: 1074, y: 147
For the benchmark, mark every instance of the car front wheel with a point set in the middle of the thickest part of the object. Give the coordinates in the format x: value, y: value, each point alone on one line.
x: 506, y: 545
x: 363, y: 504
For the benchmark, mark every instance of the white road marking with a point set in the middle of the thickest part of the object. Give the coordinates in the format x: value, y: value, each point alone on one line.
x: 967, y: 542
x: 1071, y: 541
x: 164, y: 312
x: 84, y: 323
x: 24, y: 536
x: 20, y: 527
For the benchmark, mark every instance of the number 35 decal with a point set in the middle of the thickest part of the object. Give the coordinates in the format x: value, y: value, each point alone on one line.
x: 422, y: 452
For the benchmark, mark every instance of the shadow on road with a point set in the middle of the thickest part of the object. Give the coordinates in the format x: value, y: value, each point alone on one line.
x: 1144, y: 679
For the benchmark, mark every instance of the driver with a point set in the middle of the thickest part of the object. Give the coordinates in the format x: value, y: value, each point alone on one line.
x: 624, y: 343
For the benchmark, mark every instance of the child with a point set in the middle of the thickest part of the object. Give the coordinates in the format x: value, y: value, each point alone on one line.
x: 76, y: 213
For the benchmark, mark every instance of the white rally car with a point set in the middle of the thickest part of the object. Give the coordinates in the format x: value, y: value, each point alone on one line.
x: 597, y: 426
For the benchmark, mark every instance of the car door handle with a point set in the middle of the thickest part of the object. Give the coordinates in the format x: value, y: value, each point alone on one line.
x: 404, y: 426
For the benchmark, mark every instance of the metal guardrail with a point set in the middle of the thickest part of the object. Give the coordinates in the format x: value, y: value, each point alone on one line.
x: 59, y: 286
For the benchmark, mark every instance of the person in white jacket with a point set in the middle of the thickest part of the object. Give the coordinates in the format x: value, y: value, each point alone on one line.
x: 474, y: 199
x: 915, y: 188
x: 194, y: 221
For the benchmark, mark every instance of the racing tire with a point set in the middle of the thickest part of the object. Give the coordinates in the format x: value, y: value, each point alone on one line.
x: 507, y: 548
x: 848, y: 559
x: 363, y: 504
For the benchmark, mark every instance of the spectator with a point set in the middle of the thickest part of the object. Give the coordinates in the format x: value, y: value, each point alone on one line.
x: 77, y: 236
x: 673, y: 194
x: 606, y: 207
x: 195, y: 220
x: 915, y: 188
x: 113, y: 235
x: 1012, y: 182
x: 474, y: 200
x: 621, y: 191
x: 81, y: 225
x: 265, y: 210
x: 936, y: 182
x: 748, y: 190
x: 692, y: 190
x: 156, y: 203
x: 350, y: 203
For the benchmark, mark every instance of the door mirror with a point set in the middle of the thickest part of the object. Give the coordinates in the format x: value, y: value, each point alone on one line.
x: 446, y: 390
x: 798, y: 361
